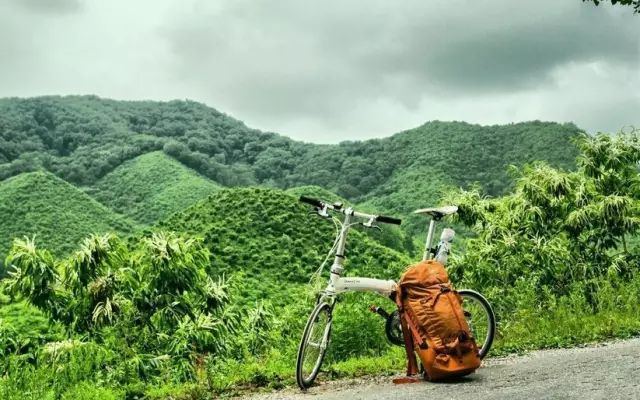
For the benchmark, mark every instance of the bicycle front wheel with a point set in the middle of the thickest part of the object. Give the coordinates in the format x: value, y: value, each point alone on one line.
x: 481, y: 319
x: 313, y: 345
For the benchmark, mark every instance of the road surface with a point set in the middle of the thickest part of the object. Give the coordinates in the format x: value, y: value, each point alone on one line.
x: 607, y: 371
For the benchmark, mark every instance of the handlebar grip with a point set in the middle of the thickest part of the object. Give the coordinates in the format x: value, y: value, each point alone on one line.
x: 389, y: 220
x: 309, y: 200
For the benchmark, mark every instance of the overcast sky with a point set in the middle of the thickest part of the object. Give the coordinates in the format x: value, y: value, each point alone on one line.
x: 326, y: 71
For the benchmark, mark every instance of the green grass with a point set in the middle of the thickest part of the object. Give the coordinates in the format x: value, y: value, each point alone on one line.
x: 269, y: 246
x: 151, y: 187
x: 270, y: 242
x: 59, y: 214
x: 551, y: 322
x: 23, y: 328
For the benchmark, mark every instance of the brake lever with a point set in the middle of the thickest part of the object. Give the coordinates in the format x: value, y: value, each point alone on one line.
x: 321, y: 212
x: 369, y: 224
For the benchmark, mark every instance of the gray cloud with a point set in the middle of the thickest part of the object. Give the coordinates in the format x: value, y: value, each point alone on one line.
x: 333, y: 70
x: 303, y: 61
x: 48, y: 6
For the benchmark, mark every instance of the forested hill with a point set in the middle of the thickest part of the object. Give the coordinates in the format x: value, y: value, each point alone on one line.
x: 58, y: 214
x: 83, y: 138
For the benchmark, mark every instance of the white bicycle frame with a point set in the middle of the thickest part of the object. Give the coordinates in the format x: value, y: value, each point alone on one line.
x: 338, y: 284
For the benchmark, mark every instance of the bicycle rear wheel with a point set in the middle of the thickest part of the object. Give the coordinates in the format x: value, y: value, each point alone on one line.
x: 481, y: 319
x: 313, y: 345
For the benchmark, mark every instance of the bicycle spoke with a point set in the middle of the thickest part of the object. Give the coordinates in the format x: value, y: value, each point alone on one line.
x: 315, y: 346
x: 479, y: 320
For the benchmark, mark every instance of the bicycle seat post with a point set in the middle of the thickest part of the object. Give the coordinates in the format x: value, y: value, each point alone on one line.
x: 428, y: 244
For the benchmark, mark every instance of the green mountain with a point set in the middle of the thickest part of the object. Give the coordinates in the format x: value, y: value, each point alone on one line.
x: 115, y: 149
x: 316, y: 192
x: 151, y: 187
x: 439, y: 156
x: 83, y: 138
x: 269, y: 247
x: 59, y: 214
x: 270, y: 242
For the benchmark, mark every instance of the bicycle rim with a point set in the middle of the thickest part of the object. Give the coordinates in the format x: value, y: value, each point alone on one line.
x: 481, y: 320
x: 313, y: 345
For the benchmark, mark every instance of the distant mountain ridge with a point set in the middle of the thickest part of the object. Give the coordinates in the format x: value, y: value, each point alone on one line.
x: 83, y: 138
x: 146, y: 160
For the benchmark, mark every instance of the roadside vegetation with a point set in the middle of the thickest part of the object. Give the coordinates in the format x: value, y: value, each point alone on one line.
x: 212, y: 300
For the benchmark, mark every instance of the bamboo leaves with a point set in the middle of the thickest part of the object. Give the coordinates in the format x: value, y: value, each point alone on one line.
x: 558, y: 226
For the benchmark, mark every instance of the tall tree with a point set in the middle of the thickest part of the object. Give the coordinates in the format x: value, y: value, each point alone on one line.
x: 632, y: 3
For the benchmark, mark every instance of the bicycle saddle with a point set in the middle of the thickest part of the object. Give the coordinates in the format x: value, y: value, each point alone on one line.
x: 438, y: 212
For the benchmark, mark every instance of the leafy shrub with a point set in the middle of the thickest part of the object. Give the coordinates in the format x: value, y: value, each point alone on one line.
x: 149, y: 319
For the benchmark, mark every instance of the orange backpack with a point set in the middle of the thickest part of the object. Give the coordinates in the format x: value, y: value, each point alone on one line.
x: 433, y: 318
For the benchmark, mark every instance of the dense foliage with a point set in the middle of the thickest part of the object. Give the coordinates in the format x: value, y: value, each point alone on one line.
x: 561, y: 239
x: 151, y: 300
x: 221, y: 302
x: 271, y: 240
x: 575, y: 225
x: 81, y: 139
x: 59, y: 214
x: 631, y: 3
x: 151, y: 187
x: 172, y: 315
x: 138, y: 311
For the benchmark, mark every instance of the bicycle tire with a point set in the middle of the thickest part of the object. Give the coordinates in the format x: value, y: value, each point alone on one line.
x: 393, y: 329
x: 305, y: 382
x: 491, y: 319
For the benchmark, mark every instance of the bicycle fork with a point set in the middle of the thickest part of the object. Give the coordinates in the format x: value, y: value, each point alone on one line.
x: 325, y: 337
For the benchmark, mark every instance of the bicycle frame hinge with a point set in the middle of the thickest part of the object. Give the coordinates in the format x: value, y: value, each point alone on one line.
x: 337, y: 269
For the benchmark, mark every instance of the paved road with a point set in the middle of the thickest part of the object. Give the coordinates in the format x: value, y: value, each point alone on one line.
x: 609, y: 371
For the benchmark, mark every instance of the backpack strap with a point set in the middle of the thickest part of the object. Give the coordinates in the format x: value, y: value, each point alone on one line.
x: 412, y: 364
x: 417, y: 338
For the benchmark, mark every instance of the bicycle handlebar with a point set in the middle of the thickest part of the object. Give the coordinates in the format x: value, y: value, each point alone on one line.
x: 313, y: 202
x: 322, y: 204
x: 389, y: 220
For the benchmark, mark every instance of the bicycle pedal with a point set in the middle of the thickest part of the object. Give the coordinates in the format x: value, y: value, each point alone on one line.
x: 378, y: 310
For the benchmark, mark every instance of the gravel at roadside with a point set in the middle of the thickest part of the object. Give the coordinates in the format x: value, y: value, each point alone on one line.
x: 605, y: 371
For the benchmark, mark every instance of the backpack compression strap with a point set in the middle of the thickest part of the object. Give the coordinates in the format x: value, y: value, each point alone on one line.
x: 412, y: 364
